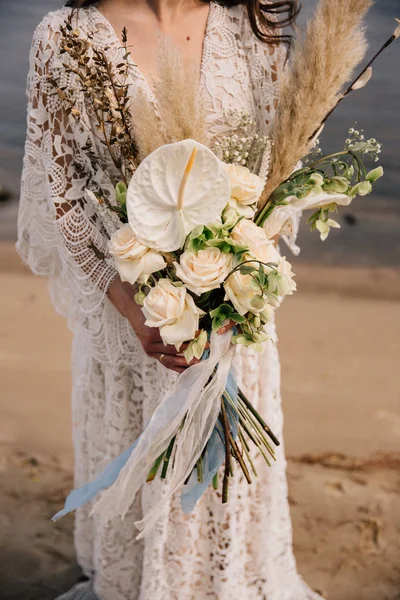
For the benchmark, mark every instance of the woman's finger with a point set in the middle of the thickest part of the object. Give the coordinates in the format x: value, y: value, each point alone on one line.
x: 159, y: 348
x: 226, y: 327
x: 174, y: 362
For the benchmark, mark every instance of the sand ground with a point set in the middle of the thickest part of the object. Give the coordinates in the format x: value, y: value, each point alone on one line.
x: 340, y: 342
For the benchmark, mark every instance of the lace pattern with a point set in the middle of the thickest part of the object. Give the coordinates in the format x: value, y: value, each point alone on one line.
x: 240, y: 550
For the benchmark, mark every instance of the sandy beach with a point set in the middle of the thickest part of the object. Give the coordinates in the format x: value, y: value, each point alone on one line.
x: 339, y: 341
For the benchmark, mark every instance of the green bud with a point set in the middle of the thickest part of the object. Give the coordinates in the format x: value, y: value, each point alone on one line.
x: 362, y: 189
x: 257, y: 321
x: 338, y: 185
x: 375, y: 174
x: 257, y: 302
x: 349, y: 172
x: 120, y: 193
x: 139, y: 298
x: 317, y: 179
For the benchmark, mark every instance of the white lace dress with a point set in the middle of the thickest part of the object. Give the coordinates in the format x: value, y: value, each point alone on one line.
x: 242, y: 550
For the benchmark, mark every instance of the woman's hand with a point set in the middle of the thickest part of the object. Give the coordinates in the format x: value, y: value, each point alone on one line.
x: 226, y: 327
x: 122, y: 296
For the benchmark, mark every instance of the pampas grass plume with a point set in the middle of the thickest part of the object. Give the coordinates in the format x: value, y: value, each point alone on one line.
x: 322, y: 61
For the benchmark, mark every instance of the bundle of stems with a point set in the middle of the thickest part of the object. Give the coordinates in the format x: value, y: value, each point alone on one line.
x: 251, y: 429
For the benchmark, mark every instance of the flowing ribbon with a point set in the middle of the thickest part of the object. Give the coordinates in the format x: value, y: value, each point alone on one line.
x: 213, y: 456
x: 189, y: 410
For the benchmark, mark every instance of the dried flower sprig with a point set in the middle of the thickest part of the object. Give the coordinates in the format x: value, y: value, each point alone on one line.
x: 243, y: 146
x: 105, y: 90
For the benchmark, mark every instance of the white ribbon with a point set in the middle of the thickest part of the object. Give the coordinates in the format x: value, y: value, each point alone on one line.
x: 194, y: 399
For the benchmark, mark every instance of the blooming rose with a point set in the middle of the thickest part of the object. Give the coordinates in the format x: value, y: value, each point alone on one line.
x: 239, y: 291
x: 173, y: 311
x: 248, y: 233
x: 246, y: 187
x: 205, y: 270
x: 133, y: 260
x: 242, y: 210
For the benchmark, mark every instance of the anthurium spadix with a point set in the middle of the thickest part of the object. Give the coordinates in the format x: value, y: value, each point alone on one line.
x: 174, y: 189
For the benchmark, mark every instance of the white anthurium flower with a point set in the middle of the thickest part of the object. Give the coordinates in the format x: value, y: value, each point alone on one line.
x: 284, y: 219
x: 314, y: 201
x: 133, y: 260
x: 324, y: 227
x: 173, y: 311
x: 174, y: 189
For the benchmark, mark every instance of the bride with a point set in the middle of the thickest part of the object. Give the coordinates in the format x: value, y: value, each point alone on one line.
x: 242, y: 550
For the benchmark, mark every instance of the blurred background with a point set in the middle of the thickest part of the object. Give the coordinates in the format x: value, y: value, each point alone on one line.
x: 340, y: 349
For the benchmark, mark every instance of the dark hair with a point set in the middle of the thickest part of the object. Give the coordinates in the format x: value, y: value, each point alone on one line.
x: 262, y: 16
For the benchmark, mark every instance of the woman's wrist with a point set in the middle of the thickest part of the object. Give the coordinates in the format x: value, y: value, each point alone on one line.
x: 121, y: 294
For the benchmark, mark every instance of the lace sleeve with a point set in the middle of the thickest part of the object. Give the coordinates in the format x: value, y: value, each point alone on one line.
x: 56, y: 236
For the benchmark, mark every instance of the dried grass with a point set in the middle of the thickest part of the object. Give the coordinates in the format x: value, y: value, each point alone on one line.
x: 179, y: 112
x: 322, y: 61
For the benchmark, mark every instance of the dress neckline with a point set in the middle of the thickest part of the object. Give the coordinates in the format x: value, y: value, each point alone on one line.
x: 116, y: 40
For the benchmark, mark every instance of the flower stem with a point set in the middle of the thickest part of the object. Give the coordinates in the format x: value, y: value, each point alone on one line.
x: 199, y: 467
x: 215, y: 481
x: 259, y: 418
x: 239, y: 458
x: 154, y: 470
x: 167, y: 458
x: 225, y: 482
x: 350, y: 88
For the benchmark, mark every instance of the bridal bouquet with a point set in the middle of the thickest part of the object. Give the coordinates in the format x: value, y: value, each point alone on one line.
x: 192, y: 227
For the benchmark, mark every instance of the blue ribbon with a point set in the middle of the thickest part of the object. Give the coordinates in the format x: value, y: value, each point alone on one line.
x: 213, y: 458
x: 87, y: 492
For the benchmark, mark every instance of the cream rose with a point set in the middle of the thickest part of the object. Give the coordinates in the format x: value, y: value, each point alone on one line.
x: 205, y: 270
x: 239, y: 291
x: 242, y: 210
x: 246, y: 188
x: 133, y: 261
x: 248, y: 233
x: 173, y: 311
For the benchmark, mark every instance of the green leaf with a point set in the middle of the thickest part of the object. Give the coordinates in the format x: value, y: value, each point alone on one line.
x: 196, y: 232
x: 196, y: 347
x: 261, y: 275
x: 223, y: 309
x: 236, y: 318
x: 246, y: 269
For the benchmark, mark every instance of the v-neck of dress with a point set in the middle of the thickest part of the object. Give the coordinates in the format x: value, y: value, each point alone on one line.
x: 118, y: 43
